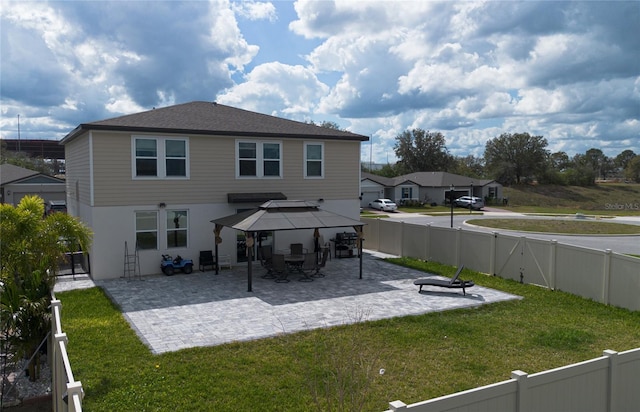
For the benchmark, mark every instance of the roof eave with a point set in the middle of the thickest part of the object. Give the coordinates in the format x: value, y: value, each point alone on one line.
x: 141, y: 129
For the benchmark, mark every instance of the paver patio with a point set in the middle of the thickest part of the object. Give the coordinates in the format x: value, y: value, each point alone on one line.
x: 205, y: 309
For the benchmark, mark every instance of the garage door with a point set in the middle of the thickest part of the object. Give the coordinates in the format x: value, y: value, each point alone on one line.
x: 369, y: 196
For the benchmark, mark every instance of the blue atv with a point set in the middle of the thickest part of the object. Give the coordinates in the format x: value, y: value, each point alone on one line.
x: 169, y: 265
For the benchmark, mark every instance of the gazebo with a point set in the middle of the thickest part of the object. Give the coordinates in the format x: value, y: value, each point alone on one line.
x: 277, y: 215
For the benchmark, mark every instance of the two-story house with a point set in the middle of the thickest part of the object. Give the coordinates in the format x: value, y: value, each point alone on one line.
x: 156, y: 179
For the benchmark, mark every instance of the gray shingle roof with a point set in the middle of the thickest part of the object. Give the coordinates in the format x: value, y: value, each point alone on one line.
x: 428, y: 179
x: 212, y: 119
x: 10, y: 173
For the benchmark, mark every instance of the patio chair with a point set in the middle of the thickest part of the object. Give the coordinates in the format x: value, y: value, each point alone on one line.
x: 206, y: 259
x: 323, y: 262
x: 297, y: 249
x: 324, y: 245
x: 266, y: 256
x: 308, y: 265
x: 279, y: 267
x: 454, y: 283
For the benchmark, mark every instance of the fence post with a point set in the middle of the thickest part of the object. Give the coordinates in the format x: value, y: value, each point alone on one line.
x: 55, y: 328
x: 458, y: 246
x: 606, y: 276
x: 553, y: 246
x: 397, y: 406
x: 402, y: 254
x: 74, y: 389
x: 612, y: 382
x: 58, y: 374
x: 522, y: 394
x: 494, y: 250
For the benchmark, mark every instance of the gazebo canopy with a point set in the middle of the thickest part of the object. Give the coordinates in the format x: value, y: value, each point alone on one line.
x: 284, y: 215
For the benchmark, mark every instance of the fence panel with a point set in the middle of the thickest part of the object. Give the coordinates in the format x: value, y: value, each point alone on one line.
x: 536, y: 262
x: 580, y: 271
x: 626, y: 383
x: 370, y: 233
x: 624, y: 283
x: 508, y: 259
x: 500, y: 396
x: 390, y: 240
x: 475, y: 250
x: 415, y: 241
x: 443, y: 245
x: 604, y: 384
x: 579, y: 387
x: 603, y: 276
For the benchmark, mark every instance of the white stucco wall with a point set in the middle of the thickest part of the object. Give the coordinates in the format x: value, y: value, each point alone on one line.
x: 113, y: 226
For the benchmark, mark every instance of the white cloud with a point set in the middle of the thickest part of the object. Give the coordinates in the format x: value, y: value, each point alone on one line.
x: 253, y: 10
x: 565, y: 70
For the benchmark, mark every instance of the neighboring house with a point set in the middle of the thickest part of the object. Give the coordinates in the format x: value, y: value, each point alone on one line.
x: 159, y: 177
x: 427, y: 187
x: 17, y: 182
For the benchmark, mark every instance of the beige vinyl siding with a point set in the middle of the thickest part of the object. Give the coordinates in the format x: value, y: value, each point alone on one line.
x: 212, y: 163
x: 77, y: 161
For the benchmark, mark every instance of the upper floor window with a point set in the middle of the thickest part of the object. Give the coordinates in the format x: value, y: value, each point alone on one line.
x: 313, y: 160
x: 258, y: 159
x: 160, y: 157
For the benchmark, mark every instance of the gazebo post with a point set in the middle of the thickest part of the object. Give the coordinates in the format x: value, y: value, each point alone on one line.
x: 249, y: 237
x: 217, y: 240
x: 360, y: 240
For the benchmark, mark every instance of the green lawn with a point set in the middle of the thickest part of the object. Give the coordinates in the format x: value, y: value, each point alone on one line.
x: 339, y: 368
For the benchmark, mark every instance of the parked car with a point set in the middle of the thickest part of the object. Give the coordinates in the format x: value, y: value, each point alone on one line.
x: 55, y: 206
x: 469, y: 202
x: 385, y: 205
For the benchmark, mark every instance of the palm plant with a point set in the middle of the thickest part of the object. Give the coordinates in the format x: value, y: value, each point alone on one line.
x: 30, y: 251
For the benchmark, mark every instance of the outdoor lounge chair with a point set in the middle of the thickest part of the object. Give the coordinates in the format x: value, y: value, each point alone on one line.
x: 454, y: 283
x: 206, y: 259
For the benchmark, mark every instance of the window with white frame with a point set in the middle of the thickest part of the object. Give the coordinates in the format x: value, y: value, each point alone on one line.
x: 160, y: 157
x: 258, y: 159
x: 407, y: 193
x: 147, y: 230
x: 177, y: 228
x: 313, y: 160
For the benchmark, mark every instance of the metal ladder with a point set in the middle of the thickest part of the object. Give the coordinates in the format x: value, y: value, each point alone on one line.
x: 131, y: 263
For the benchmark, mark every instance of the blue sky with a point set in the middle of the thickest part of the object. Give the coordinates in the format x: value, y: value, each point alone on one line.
x: 569, y: 71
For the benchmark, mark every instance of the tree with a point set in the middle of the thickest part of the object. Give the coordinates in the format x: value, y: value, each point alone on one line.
x: 632, y: 171
x: 599, y: 162
x: 326, y: 124
x: 581, y: 172
x: 559, y: 161
x: 421, y: 151
x: 470, y: 166
x: 31, y: 248
x: 622, y: 160
x: 511, y: 158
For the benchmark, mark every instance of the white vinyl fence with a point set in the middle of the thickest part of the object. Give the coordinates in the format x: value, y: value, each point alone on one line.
x: 67, y: 393
x: 602, y: 275
x: 605, y: 384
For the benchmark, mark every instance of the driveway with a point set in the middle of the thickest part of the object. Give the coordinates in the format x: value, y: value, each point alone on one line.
x: 204, y: 309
